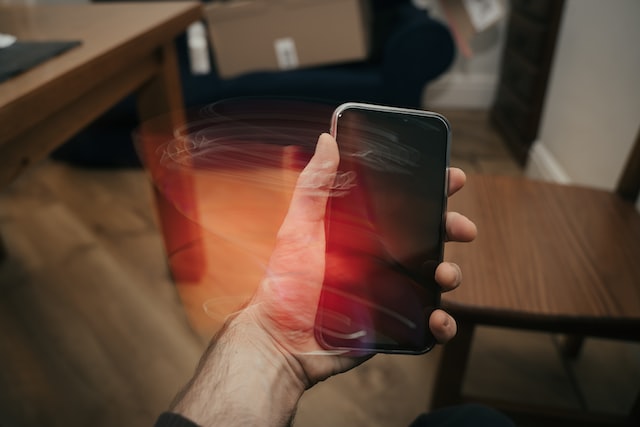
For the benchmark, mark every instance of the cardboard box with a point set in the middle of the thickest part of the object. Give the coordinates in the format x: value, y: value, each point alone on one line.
x: 258, y: 35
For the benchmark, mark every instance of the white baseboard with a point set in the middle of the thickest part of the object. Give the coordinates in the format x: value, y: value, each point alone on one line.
x: 543, y: 165
x: 460, y: 90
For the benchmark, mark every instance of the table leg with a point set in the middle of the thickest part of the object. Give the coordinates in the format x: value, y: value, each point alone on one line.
x: 163, y: 93
x: 162, y: 96
x: 447, y: 390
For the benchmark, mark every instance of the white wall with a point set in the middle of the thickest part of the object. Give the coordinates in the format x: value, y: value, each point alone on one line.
x: 592, y: 110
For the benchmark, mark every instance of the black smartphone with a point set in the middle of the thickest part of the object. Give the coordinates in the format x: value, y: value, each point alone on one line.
x: 384, y: 230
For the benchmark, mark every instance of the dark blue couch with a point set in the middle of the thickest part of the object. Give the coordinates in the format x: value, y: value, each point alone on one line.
x: 409, y: 49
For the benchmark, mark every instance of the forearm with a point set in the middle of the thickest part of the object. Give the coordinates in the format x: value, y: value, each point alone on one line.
x: 241, y: 380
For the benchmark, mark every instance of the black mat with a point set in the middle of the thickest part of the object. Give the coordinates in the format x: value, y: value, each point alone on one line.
x: 23, y: 55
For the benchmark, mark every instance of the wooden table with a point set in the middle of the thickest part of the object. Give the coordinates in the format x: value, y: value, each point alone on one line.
x: 535, y: 234
x: 126, y: 48
x: 556, y: 258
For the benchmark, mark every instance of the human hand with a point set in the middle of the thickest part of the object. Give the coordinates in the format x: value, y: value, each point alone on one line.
x: 287, y: 299
x: 267, y: 355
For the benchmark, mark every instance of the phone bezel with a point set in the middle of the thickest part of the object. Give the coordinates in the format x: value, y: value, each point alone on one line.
x: 334, y: 132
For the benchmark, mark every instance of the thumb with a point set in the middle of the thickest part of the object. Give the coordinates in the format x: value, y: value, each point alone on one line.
x: 308, y: 204
x: 296, y: 268
x: 298, y: 257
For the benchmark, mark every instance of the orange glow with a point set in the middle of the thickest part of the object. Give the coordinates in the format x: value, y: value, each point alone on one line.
x: 224, y: 182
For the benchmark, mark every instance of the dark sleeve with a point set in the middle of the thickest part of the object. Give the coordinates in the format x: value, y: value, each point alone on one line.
x: 169, y: 419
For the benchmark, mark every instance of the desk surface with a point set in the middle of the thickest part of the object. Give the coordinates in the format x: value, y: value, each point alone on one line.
x: 115, y: 37
x: 101, y: 27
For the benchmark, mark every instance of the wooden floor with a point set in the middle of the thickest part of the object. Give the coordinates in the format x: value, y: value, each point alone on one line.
x: 93, y: 331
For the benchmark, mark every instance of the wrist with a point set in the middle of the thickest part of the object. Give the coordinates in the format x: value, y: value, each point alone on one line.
x: 243, y: 378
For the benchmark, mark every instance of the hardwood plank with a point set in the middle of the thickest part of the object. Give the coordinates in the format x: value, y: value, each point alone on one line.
x: 524, y: 261
x: 87, y: 343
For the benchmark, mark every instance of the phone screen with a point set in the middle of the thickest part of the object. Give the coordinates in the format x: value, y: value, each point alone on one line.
x: 384, y: 230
